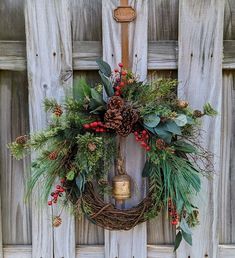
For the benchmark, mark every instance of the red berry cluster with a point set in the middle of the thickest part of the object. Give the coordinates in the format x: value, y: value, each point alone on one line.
x: 173, y: 213
x: 96, y: 126
x: 142, y: 137
x: 57, y: 193
x: 119, y: 83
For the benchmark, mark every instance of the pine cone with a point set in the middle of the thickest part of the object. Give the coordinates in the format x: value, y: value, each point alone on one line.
x: 91, y: 146
x: 129, y: 117
x: 115, y: 102
x: 53, y: 155
x: 21, y: 139
x: 113, y: 118
x: 58, y: 111
x: 197, y: 113
x: 57, y: 221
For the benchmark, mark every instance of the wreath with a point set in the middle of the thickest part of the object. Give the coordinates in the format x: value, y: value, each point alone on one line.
x: 82, y: 143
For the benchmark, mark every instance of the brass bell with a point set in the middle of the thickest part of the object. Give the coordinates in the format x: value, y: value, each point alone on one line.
x: 121, y: 187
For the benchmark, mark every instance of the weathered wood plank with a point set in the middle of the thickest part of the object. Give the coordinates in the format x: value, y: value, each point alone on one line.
x: 163, y: 20
x: 12, y: 55
x: 227, y: 251
x: 49, y: 75
x: 133, y: 242
x: 162, y: 55
x: 16, y: 213
x: 87, y: 47
x: 85, y: 53
x: 200, y: 74
x: 12, y: 20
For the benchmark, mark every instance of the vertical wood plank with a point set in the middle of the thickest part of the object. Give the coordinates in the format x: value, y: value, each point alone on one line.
x: 16, y: 213
x: 200, y: 74
x: 132, y: 243
x: 86, y: 25
x: 162, y: 25
x: 49, y: 56
x: 227, y: 196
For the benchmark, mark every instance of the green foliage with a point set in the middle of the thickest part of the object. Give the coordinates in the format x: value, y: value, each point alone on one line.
x: 17, y: 150
x: 104, y: 67
x: 208, y: 110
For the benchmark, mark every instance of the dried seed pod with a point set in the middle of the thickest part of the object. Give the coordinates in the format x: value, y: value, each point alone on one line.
x: 57, y: 221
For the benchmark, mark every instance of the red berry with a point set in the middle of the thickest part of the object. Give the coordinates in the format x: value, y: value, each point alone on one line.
x: 143, y: 144
x: 117, y: 88
x: 122, y: 84
x: 137, y: 138
x: 62, y: 180
x: 148, y: 148
x: 144, y: 132
x: 136, y: 133
x: 140, y: 137
x: 117, y: 93
x: 146, y: 136
x: 49, y: 203
x: 100, y: 123
x: 124, y: 73
x: 55, y: 200
x: 97, y: 130
x: 116, y: 70
x: 61, y: 190
x: 101, y: 130
x: 58, y: 187
x: 86, y: 126
x: 174, y: 222
x: 120, y: 65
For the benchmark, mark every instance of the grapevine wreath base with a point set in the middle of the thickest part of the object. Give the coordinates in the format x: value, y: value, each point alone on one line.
x: 107, y: 216
x: 79, y: 147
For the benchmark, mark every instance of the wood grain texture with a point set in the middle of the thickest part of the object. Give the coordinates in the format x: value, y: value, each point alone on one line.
x: 12, y: 26
x: 131, y: 243
x: 87, y: 34
x: 49, y: 75
x: 200, y: 74
x: 163, y: 20
x: 86, y: 20
x: 162, y: 55
x: 16, y: 214
x: 13, y: 55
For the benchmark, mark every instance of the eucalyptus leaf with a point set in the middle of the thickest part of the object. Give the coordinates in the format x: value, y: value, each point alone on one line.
x: 162, y: 133
x: 98, y: 110
x: 104, y: 67
x: 173, y: 127
x: 80, y: 182
x: 178, y: 240
x: 181, y: 120
x: 107, y: 84
x: 152, y: 120
x: 187, y: 238
x: 190, y: 121
x: 184, y: 226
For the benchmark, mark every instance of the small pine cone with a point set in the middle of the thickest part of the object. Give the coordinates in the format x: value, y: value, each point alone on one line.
x: 130, y: 117
x: 113, y: 118
x: 115, y: 102
x: 91, y: 146
x: 53, y: 155
x: 160, y: 144
x: 21, y: 139
x: 57, y: 221
x: 58, y: 111
x: 197, y: 113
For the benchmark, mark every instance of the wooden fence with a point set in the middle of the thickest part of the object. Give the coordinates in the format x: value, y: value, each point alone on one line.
x: 45, y: 45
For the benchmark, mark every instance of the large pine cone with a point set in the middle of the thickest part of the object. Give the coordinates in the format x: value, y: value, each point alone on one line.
x: 129, y: 117
x: 115, y: 102
x: 113, y: 118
